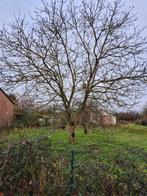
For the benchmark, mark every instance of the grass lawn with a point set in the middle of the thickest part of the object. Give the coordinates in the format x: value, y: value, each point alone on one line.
x: 102, y: 142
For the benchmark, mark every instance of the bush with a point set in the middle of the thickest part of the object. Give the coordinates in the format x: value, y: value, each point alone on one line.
x: 122, y: 176
x: 26, y: 119
x: 144, y: 122
x: 25, y: 166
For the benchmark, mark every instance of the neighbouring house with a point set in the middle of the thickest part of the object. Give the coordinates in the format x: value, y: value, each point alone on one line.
x: 6, y: 110
x: 97, y: 117
x: 107, y: 119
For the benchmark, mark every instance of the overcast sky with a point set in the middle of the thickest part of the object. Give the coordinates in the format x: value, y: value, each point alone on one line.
x: 9, y: 8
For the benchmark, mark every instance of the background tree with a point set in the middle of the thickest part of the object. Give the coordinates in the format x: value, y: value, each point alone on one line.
x: 130, y: 116
x: 145, y: 110
x: 26, y: 104
x: 13, y: 97
x: 73, y: 53
x: 90, y: 116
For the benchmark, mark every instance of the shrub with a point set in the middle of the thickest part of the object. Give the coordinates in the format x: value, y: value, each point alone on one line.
x: 25, y: 166
x: 28, y: 119
x: 121, y: 176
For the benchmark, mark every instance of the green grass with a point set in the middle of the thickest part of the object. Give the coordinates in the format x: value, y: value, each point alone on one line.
x: 103, y: 142
x: 118, y: 155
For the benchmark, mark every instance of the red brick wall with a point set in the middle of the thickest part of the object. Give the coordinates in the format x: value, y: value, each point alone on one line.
x: 6, y: 111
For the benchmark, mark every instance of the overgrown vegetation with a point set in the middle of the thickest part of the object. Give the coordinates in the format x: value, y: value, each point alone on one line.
x: 107, y: 162
x: 120, y: 176
x: 25, y: 165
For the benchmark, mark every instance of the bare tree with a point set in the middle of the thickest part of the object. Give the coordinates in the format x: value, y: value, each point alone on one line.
x: 13, y: 97
x: 90, y: 116
x: 26, y: 104
x: 73, y: 53
x: 145, y: 110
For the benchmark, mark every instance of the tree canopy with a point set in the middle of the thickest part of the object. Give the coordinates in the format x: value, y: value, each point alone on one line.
x: 73, y: 53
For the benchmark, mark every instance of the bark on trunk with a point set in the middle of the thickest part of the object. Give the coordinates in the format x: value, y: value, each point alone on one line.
x: 85, y: 129
x: 72, y: 132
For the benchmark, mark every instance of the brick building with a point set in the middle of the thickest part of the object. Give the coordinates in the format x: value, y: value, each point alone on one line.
x: 6, y: 110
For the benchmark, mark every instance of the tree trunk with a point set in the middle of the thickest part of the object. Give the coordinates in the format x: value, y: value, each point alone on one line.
x: 71, y: 128
x: 85, y: 127
x: 85, y: 130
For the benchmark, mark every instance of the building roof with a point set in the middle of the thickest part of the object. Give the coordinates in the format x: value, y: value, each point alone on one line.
x: 6, y: 95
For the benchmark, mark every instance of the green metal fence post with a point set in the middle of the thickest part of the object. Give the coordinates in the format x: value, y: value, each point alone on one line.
x: 72, y: 180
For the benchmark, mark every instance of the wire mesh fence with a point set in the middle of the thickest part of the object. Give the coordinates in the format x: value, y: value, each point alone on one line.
x: 90, y: 172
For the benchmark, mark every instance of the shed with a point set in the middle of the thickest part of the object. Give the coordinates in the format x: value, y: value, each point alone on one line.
x: 6, y: 110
